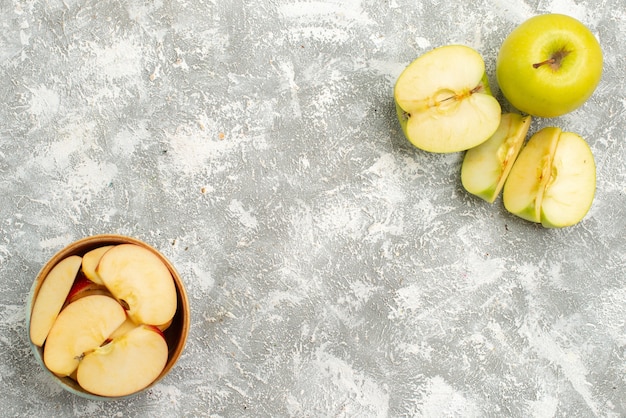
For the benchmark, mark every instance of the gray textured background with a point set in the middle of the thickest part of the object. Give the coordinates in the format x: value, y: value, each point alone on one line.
x: 333, y: 270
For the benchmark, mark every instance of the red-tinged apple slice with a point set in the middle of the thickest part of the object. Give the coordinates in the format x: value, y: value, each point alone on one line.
x: 486, y: 167
x: 126, y: 365
x: 526, y: 183
x: 84, y: 287
x: 91, y: 260
x: 125, y: 327
x: 51, y: 297
x: 140, y: 281
x: 81, y: 327
x: 129, y: 325
x: 165, y: 326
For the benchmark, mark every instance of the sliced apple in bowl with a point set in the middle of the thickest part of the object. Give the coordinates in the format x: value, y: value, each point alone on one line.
x: 125, y: 365
x: 80, y: 328
x: 141, y: 301
x: 553, y: 181
x: 486, y: 166
x: 52, y: 294
x: 443, y: 100
x: 91, y: 260
x: 141, y: 282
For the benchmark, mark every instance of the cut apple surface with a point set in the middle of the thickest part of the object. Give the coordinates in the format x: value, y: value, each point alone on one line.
x: 91, y: 260
x: 523, y: 190
x: 569, y: 194
x: 81, y: 326
x: 486, y: 167
x: 126, y: 365
x: 443, y: 100
x: 141, y: 282
x: 553, y: 180
x: 82, y: 287
x: 125, y: 327
x: 51, y: 297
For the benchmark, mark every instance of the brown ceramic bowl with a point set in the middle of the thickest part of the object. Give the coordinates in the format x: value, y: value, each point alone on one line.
x: 175, y: 334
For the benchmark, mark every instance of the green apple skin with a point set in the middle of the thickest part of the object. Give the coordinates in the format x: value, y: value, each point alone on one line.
x: 553, y: 180
x: 549, y: 65
x: 443, y: 100
x: 486, y: 167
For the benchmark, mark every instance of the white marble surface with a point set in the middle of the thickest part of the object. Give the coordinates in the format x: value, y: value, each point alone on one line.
x: 333, y: 270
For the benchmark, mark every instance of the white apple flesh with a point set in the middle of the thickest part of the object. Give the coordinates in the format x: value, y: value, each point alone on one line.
x: 51, y: 297
x: 125, y: 327
x: 553, y: 180
x: 443, y: 100
x: 126, y: 365
x: 81, y: 326
x: 524, y: 188
x: 486, y: 167
x: 90, y: 262
x: 569, y: 195
x: 129, y: 325
x: 141, y: 282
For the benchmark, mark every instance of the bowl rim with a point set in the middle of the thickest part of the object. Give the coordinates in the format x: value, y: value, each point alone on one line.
x: 181, y: 317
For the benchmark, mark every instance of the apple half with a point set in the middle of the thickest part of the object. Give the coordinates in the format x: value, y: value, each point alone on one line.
x: 553, y: 181
x: 486, y: 166
x: 81, y: 326
x: 51, y: 297
x: 125, y: 365
x: 141, y: 282
x: 443, y: 100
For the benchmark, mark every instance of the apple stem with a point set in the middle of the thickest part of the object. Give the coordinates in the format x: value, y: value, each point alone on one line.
x: 554, y: 61
x: 539, y: 64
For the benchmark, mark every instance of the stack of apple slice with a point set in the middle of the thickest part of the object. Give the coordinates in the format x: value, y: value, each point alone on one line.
x: 100, y: 318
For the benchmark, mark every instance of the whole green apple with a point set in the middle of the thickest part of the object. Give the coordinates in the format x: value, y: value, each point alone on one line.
x: 549, y: 65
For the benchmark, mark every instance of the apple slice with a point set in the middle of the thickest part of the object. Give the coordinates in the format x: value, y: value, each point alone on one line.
x: 81, y: 327
x: 141, y: 281
x: 84, y: 287
x: 126, y: 365
x: 91, y: 260
x: 569, y: 194
x: 553, y: 180
x: 125, y: 327
x: 443, y: 100
x: 523, y: 190
x: 129, y: 325
x: 486, y: 167
x: 51, y: 297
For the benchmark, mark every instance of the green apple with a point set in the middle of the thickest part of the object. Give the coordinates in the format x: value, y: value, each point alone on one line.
x: 486, y: 166
x: 553, y: 180
x: 549, y: 65
x: 443, y: 100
